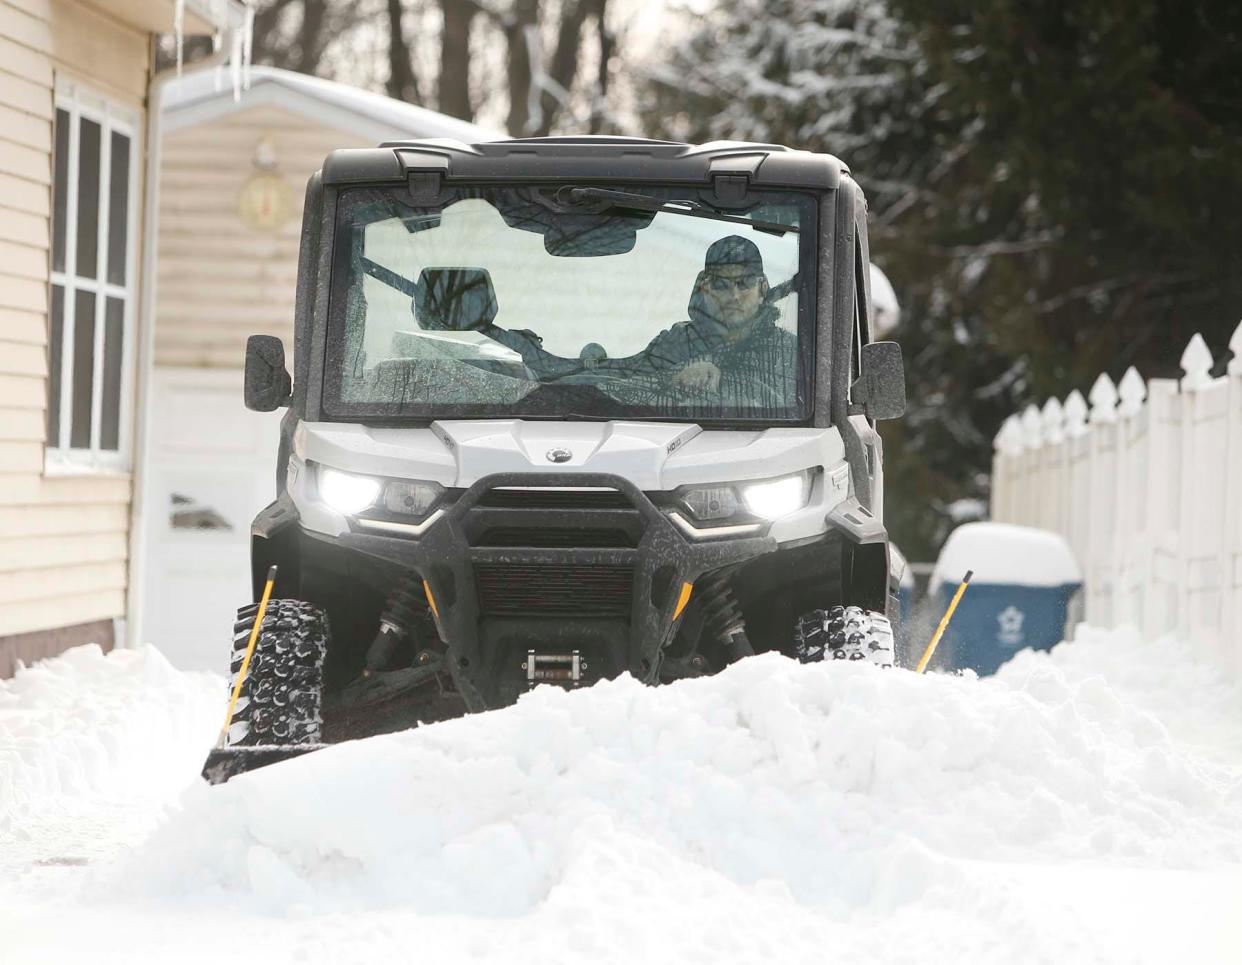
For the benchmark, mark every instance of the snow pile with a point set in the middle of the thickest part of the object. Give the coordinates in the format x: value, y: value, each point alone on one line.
x: 1082, y: 805
x: 842, y: 788
x: 89, y: 725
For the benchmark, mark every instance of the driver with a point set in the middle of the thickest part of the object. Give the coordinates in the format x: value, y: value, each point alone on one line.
x: 731, y: 346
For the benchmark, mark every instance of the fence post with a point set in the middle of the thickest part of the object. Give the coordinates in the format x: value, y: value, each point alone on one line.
x: 1131, y: 482
x: 1231, y: 562
x: 1008, y: 445
x: 1054, y: 463
x: 1195, y: 598
x: 1032, y: 466
x: 1101, y: 584
x: 1164, y: 505
x: 1077, y: 486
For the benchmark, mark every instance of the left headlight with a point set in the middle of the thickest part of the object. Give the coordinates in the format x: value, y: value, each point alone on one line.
x: 765, y: 499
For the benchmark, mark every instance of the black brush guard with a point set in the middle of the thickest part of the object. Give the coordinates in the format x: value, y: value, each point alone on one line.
x: 469, y: 581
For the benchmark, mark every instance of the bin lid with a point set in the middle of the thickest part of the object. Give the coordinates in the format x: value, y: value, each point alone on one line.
x: 1005, y: 553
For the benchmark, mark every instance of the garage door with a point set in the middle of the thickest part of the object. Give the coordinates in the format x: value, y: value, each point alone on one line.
x: 211, y: 468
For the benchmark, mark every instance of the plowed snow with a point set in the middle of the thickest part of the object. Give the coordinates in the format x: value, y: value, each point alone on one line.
x: 1083, y: 805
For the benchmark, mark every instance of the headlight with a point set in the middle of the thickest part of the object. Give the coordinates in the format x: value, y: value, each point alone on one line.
x: 714, y: 502
x: 767, y: 499
x: 345, y: 492
x: 408, y: 497
x: 397, y: 499
x: 777, y: 497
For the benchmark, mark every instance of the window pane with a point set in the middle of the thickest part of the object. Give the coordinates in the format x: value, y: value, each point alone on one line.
x: 60, y: 190
x: 88, y: 199
x: 110, y: 417
x: 83, y: 369
x: 56, y: 338
x: 118, y: 209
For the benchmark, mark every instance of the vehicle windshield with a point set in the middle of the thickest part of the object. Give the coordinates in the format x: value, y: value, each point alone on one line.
x: 519, y: 302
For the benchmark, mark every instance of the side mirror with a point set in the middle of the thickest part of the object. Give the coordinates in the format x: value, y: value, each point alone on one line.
x: 268, y: 385
x: 881, y: 391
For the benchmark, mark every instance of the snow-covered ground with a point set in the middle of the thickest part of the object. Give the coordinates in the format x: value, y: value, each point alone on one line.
x: 1084, y: 805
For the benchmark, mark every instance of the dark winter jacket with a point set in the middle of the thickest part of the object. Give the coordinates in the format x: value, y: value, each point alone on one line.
x: 757, y: 373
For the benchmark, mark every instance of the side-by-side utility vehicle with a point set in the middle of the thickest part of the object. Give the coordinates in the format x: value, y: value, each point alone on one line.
x: 563, y: 409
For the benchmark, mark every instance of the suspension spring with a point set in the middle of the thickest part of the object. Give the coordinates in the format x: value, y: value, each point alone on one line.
x: 722, y: 615
x: 397, y: 620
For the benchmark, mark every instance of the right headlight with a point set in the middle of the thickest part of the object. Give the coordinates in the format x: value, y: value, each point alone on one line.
x: 375, y: 497
x: 767, y: 499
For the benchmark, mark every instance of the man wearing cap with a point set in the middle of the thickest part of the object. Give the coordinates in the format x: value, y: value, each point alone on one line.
x: 731, y: 352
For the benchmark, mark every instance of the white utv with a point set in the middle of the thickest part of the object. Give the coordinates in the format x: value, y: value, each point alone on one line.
x: 563, y: 409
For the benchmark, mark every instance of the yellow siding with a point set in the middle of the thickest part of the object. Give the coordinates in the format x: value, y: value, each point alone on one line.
x: 220, y: 280
x: 63, y: 540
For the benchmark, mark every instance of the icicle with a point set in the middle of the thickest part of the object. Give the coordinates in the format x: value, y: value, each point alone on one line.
x: 1235, y: 346
x: 247, y: 46
x: 1054, y: 421
x: 1133, y: 391
x: 1032, y: 428
x: 235, y: 63
x: 179, y: 32
x: 1196, y: 363
x: 1103, y: 400
x: 1075, y: 414
x: 221, y: 13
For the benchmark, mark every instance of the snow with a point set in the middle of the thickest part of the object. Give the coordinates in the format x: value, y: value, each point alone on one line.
x: 1081, y: 805
x: 886, y: 311
x: 325, y: 100
x: 1005, y: 553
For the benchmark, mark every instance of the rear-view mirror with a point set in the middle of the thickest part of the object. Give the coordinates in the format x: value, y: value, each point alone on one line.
x: 881, y: 389
x: 268, y: 385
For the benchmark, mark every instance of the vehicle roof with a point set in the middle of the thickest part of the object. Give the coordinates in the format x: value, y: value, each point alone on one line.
x: 587, y: 157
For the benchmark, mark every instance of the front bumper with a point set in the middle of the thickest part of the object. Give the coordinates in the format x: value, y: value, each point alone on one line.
x: 634, y: 581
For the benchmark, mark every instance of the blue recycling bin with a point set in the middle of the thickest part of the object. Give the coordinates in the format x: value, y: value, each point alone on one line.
x: 1018, y: 598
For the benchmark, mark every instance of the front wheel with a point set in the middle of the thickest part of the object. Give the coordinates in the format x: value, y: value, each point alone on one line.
x: 281, y: 697
x: 844, y: 633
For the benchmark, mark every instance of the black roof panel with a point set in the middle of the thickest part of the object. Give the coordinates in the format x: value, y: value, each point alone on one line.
x: 603, y: 158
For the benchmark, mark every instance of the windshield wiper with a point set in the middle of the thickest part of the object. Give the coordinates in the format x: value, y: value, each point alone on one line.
x: 643, y: 202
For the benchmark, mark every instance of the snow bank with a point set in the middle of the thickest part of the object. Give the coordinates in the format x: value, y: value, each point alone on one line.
x: 1082, y: 805
x: 841, y: 787
x: 86, y: 724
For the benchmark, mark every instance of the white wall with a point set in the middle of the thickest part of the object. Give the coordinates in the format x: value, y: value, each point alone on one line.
x: 1145, y: 481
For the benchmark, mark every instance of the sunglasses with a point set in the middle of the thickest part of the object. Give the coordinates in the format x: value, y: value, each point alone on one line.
x: 744, y: 283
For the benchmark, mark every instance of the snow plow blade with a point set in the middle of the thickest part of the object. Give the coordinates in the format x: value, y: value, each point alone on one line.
x: 226, y: 762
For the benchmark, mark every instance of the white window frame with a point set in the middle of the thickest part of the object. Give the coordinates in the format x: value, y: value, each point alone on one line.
x: 81, y: 102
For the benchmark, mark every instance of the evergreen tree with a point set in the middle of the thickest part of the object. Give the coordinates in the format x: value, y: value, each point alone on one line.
x: 1055, y: 189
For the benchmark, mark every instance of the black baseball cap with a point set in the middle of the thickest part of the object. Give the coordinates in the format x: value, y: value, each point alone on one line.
x: 733, y: 250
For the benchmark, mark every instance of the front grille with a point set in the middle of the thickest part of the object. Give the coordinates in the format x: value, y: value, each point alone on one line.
x: 555, y: 499
x: 554, y: 589
x: 544, y: 536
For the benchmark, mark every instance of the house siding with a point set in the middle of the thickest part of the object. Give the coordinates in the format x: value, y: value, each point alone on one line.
x: 220, y: 280
x: 63, y: 539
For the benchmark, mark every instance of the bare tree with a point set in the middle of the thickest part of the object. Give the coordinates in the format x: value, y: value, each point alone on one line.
x: 402, y: 78
x: 454, y: 93
x: 295, y: 33
x: 527, y: 55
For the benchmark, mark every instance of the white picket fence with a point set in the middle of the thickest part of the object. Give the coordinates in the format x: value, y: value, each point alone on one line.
x: 1144, y: 478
